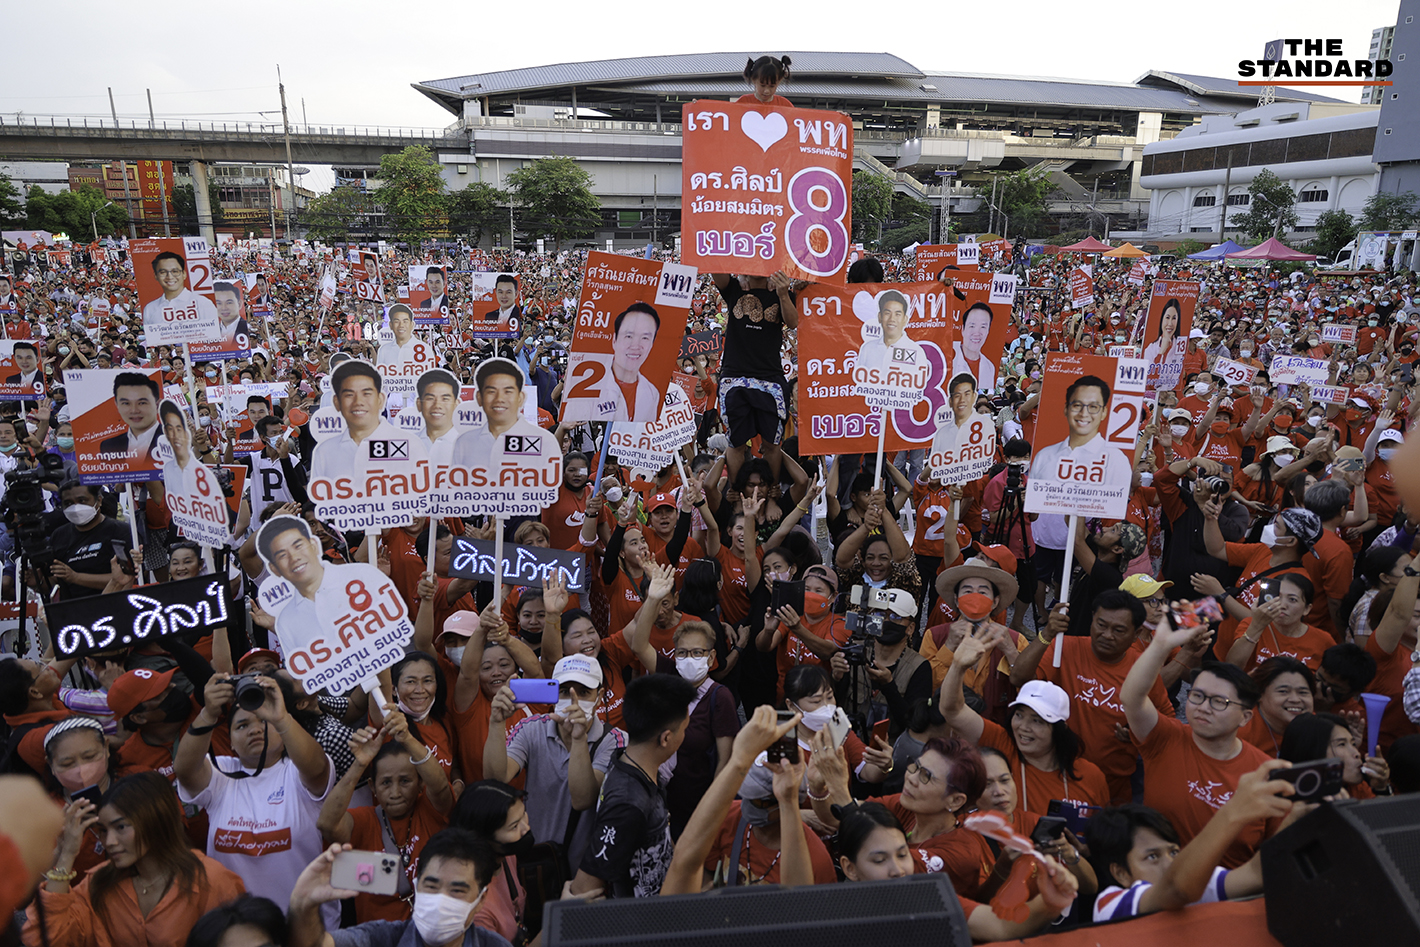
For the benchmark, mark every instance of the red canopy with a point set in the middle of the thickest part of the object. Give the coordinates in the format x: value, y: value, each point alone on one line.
x: 1087, y: 245
x: 1271, y: 249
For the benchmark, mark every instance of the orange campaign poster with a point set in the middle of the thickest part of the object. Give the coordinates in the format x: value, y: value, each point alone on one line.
x: 1166, y: 331
x: 996, y: 253
x: 981, y: 314
x: 365, y: 280
x: 114, y: 413
x: 765, y: 189
x: 1082, y: 287
x: 630, y: 322
x: 173, y: 279
x: 428, y: 294
x: 896, y: 337
x: 234, y: 339
x: 497, y: 313
x: 21, y: 373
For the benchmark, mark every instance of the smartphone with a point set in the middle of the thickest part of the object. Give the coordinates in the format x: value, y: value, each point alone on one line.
x: 366, y: 872
x: 1314, y: 781
x: 534, y: 690
x: 787, y: 746
x: 1268, y: 589
x: 120, y: 552
x: 880, y: 729
x: 93, y: 793
x: 788, y: 593
x: 837, y: 727
x: 1049, y: 830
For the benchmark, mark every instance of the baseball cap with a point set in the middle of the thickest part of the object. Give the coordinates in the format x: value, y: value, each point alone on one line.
x: 580, y: 668
x: 660, y: 500
x: 1143, y: 587
x: 1180, y: 414
x: 463, y: 623
x: 1047, y: 699
x: 1132, y: 539
x: 136, y: 686
x: 1389, y: 434
x: 251, y: 656
x: 825, y: 574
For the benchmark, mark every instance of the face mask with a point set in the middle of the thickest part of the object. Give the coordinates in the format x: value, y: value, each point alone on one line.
x: 64, y: 350
x: 974, y: 605
x: 455, y: 655
x: 892, y: 634
x: 1220, y: 427
x: 1245, y: 353
x: 80, y: 513
x: 1178, y: 430
x: 1282, y: 460
x: 1315, y: 419
x: 519, y: 848
x: 693, y: 670
x: 64, y: 443
x: 10, y: 448
x: 1269, y: 535
x: 1282, y: 421
x: 211, y: 374
x: 815, y: 606
x: 205, y: 420
x: 439, y: 918
x: 417, y: 718
x: 1385, y: 453
x: 82, y: 776
x: 816, y: 719
x: 1146, y: 479
x: 1372, y: 322
x: 564, y: 705
x: 757, y: 817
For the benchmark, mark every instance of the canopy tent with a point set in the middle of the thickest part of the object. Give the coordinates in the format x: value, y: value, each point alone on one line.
x: 1272, y: 249
x: 1087, y: 245
x: 1127, y: 250
x: 1216, y: 252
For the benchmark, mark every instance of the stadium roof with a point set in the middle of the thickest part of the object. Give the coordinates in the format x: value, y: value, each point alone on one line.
x: 846, y: 76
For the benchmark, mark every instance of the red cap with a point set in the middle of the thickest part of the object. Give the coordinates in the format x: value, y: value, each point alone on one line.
x: 255, y: 653
x: 135, y: 687
x: 660, y: 500
x: 1000, y: 555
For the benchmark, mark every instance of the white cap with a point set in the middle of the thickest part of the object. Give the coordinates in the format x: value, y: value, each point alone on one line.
x: 1047, y: 699
x: 1392, y: 434
x: 580, y: 668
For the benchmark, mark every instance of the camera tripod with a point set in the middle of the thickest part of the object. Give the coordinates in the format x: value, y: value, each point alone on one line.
x: 1011, y: 516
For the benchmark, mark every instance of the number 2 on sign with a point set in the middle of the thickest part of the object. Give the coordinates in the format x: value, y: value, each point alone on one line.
x: 587, y: 380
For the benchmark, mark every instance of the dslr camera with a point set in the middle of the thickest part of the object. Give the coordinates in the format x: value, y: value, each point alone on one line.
x: 248, y: 694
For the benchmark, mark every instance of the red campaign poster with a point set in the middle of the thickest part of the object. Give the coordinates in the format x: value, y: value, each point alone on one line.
x: 1084, y: 441
x: 1137, y: 273
x: 428, y: 294
x: 1166, y: 329
x: 496, y: 310
x: 173, y: 280
x: 235, y: 340
x: 115, y: 420
x: 996, y: 253
x: 21, y: 372
x: 854, y: 339
x: 365, y: 280
x: 1082, y: 287
x: 981, y: 314
x: 630, y: 322
x: 766, y: 189
x: 930, y: 258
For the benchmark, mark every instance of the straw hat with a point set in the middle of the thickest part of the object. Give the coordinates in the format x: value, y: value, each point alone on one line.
x: 979, y: 568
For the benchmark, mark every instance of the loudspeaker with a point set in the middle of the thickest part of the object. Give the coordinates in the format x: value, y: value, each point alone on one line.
x: 920, y: 909
x: 1348, y: 873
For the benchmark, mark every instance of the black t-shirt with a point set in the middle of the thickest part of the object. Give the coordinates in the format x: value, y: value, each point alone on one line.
x: 89, y: 552
x: 630, y: 846
x: 1103, y: 577
x: 752, y: 345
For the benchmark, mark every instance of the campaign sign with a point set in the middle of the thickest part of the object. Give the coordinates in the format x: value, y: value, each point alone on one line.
x: 964, y: 449
x: 95, y: 623
x: 194, y: 495
x: 1330, y: 394
x: 328, y: 286
x: 522, y: 565
x: 1082, y: 287
x: 429, y: 294
x: 1344, y: 334
x: 766, y: 188
x: 365, y: 280
x: 402, y: 356
x: 496, y: 312
x: 703, y: 343
x: 173, y: 279
x: 115, y: 418
x: 21, y: 371
x: 930, y: 259
x: 1295, y: 369
x: 1234, y: 373
x: 1089, y: 422
x: 630, y: 321
x: 649, y: 447
x: 339, y: 624
x: 1137, y: 272
x: 850, y: 339
x: 233, y: 338
x: 1166, y: 328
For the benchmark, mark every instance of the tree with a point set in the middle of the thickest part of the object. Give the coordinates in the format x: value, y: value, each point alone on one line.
x: 412, y: 192
x: 556, y: 198
x: 1271, y: 208
x: 1390, y: 212
x: 911, y: 222
x: 185, y: 207
x: 1021, y: 196
x: 872, y: 203
x: 477, y: 208
x: 332, y: 216
x: 1187, y: 246
x: 76, y: 214
x: 12, y: 212
x: 1334, y: 229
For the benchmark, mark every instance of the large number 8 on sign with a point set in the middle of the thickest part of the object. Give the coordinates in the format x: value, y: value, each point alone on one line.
x: 819, y: 203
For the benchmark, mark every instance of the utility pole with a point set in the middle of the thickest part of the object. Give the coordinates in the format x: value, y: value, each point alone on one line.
x: 991, y: 226
x: 162, y: 181
x: 127, y: 195
x: 304, y: 121
x: 290, y: 170
x: 271, y: 199
x: 152, y: 121
x: 1223, y: 217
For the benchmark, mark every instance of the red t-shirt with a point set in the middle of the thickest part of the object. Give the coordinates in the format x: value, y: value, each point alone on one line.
x: 1040, y: 786
x: 734, y: 595
x: 1307, y: 649
x: 961, y: 853
x: 564, y: 517
x: 1390, y: 680
x: 409, y: 835
x: 759, y: 864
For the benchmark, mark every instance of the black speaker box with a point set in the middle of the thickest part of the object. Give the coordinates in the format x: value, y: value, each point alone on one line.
x: 1348, y: 873
x: 921, y: 909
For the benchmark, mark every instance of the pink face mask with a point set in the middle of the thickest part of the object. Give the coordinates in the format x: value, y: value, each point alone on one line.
x: 82, y: 776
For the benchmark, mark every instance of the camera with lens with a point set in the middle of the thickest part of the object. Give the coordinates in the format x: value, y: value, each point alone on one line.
x: 874, y: 608
x: 1015, y: 477
x: 224, y: 480
x: 24, y: 505
x: 248, y: 694
x: 1208, y: 487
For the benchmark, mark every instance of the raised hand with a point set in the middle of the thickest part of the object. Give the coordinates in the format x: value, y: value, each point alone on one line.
x: 759, y: 733
x: 365, y: 743
x: 554, y: 592
x: 662, y: 580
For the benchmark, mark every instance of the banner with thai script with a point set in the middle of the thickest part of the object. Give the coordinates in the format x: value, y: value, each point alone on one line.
x: 21, y: 371
x: 1090, y: 408
x: 1166, y: 328
x: 650, y: 447
x: 1137, y: 272
x: 707, y: 343
x: 981, y: 315
x: 1344, y: 334
x: 522, y: 565
x: 94, y: 623
x: 1082, y: 286
x: 1330, y: 394
x: 1295, y: 369
x: 930, y: 259
x: 194, y: 493
x: 402, y: 356
x: 429, y: 294
x: 172, y: 277
x: 630, y: 322
x: 496, y: 312
x: 234, y: 339
x: 1234, y: 373
x: 765, y: 189
x: 114, y: 412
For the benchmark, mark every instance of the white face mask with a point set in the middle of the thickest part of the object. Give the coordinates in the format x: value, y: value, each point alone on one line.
x: 440, y: 918
x: 455, y: 655
x: 1178, y: 430
x: 1385, y: 453
x: 1315, y: 419
x: 1283, y: 460
x: 816, y: 719
x: 1269, y: 535
x: 1200, y: 388
x: 565, y: 704
x: 693, y: 670
x: 1146, y: 479
x: 80, y: 513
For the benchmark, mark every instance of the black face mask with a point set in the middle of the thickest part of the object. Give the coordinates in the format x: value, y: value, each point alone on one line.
x: 893, y: 634
x: 175, y: 707
x: 519, y: 848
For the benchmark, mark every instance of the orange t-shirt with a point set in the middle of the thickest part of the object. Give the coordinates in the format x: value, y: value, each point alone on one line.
x: 410, y: 834
x: 564, y: 517
x: 1040, y: 786
x: 961, y: 853
x: 1390, y: 680
x: 1255, y: 559
x: 1307, y: 648
x: 932, y: 506
x: 734, y: 595
x: 471, y: 727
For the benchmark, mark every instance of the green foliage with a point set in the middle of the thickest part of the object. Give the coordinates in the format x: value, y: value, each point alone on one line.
x: 872, y: 203
x: 915, y: 231
x: 477, y: 208
x: 556, y: 199
x: 1271, y: 210
x: 1334, y: 229
x: 1021, y: 196
x: 332, y: 216
x: 1390, y: 212
x: 1188, y: 246
x: 12, y: 212
x: 412, y: 192
x: 185, y: 207
x: 68, y: 212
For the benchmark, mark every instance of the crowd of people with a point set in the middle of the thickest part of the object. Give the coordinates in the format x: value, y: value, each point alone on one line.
x: 730, y: 708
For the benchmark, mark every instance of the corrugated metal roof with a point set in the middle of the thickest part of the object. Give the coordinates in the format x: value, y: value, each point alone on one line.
x: 665, y: 67
x: 1216, y: 85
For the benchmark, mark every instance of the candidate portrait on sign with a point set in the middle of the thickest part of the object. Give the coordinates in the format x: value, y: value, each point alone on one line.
x: 1084, y: 457
x: 623, y: 393
x: 1167, y: 347
x: 437, y: 398
x: 135, y: 395
x: 229, y: 311
x: 170, y: 270
x: 26, y: 358
x: 180, y: 470
x: 368, y: 439
x: 966, y: 351
x: 437, y: 290
x: 892, y: 348
x: 507, y: 435
x: 954, y: 422
x: 505, y: 291
x: 401, y: 350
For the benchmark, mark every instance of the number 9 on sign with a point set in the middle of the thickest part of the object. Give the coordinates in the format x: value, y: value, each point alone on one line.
x: 815, y: 235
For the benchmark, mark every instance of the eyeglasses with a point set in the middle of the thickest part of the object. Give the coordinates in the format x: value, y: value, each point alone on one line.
x: 693, y: 653
x: 1216, y: 701
x: 924, y: 775
x: 1157, y: 601
x: 1090, y: 408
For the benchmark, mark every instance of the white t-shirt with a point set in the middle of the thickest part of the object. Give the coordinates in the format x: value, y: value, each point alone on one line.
x: 1115, y: 903
x: 264, y: 827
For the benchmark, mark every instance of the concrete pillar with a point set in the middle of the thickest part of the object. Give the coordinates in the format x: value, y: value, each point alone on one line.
x: 204, y: 205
